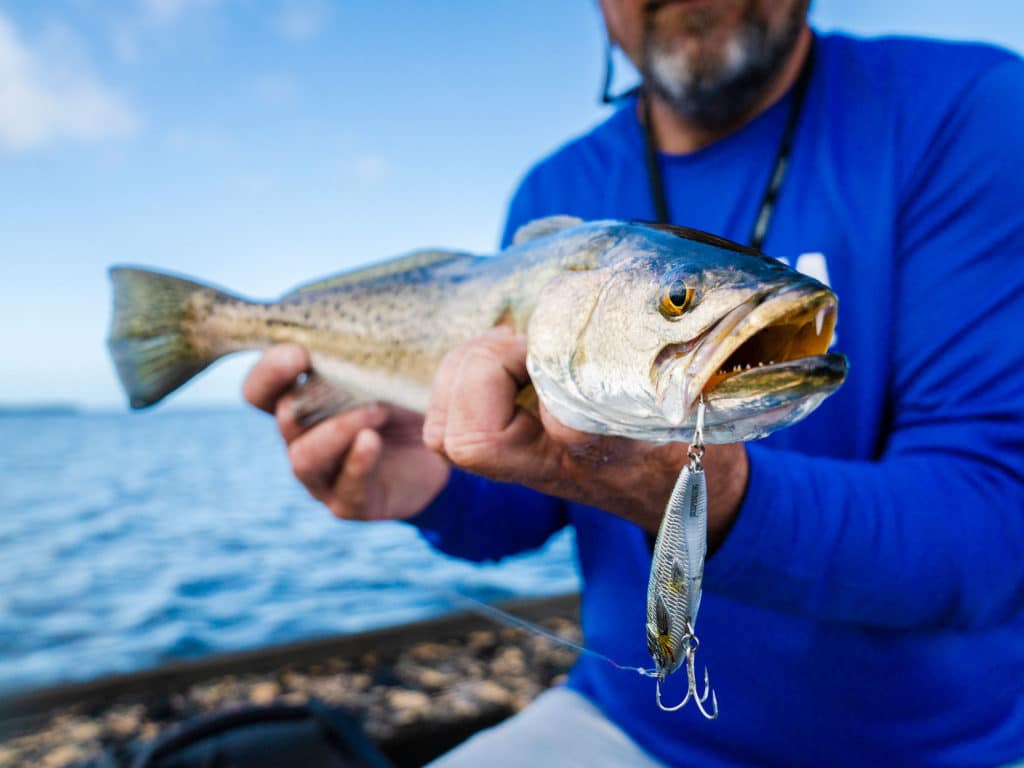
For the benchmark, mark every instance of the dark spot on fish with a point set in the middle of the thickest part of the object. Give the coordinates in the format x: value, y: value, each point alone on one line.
x: 281, y: 323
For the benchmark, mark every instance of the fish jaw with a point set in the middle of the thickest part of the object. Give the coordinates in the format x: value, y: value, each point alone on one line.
x: 764, y: 400
x: 676, y: 361
x: 764, y: 366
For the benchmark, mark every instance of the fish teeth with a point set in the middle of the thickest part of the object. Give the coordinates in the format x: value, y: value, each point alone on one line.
x: 819, y: 321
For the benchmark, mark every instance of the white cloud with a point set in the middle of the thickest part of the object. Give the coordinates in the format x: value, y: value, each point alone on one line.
x: 301, y: 20
x: 45, y: 98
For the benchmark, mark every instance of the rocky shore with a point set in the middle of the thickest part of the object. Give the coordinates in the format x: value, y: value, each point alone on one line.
x: 405, y: 698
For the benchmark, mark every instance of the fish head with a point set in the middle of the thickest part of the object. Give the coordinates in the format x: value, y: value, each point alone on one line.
x: 669, y: 317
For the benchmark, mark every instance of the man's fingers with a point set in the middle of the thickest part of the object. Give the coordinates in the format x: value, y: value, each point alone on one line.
x: 274, y: 374
x: 511, y: 351
x: 284, y: 414
x: 499, y: 351
x: 436, y: 417
x: 354, y: 482
x: 317, y: 454
x: 482, y: 415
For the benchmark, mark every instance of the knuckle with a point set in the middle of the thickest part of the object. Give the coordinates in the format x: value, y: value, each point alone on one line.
x: 468, y: 450
x: 249, y: 391
x: 286, y: 360
x: 457, y: 355
x: 346, y: 503
x: 433, y: 433
x: 303, y: 466
x: 284, y: 414
x: 256, y: 390
x: 482, y: 355
x: 342, y: 429
x: 340, y: 509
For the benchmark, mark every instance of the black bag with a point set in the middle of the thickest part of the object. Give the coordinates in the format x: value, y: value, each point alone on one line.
x: 312, y: 734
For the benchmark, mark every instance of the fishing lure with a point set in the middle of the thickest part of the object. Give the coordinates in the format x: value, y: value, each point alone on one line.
x: 677, y: 570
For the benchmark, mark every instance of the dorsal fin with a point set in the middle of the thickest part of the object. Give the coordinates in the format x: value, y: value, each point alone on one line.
x: 406, y: 263
x: 701, y: 237
x: 542, y: 227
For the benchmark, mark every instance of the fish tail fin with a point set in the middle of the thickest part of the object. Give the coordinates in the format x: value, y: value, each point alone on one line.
x: 151, y: 339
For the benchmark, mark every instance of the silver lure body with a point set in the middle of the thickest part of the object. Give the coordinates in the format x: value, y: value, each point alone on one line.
x: 677, y: 570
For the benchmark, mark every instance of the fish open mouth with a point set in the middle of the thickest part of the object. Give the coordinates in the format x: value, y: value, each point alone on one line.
x: 777, y: 333
x: 765, y: 354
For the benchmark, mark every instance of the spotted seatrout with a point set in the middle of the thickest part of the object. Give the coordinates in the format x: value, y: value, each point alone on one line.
x: 628, y: 325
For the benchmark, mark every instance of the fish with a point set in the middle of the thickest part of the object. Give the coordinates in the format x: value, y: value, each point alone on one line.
x: 628, y: 325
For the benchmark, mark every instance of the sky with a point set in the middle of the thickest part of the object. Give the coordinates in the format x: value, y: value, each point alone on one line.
x: 260, y: 143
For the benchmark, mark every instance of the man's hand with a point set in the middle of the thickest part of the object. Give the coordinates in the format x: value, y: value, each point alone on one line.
x: 474, y: 421
x: 365, y: 464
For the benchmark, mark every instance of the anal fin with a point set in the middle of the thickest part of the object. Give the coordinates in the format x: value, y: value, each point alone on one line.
x: 316, y: 399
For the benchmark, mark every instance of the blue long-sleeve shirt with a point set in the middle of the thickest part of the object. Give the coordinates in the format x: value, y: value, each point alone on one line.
x: 867, y: 607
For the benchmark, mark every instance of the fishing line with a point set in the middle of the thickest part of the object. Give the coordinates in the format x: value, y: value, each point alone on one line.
x: 504, y: 617
x: 500, y: 616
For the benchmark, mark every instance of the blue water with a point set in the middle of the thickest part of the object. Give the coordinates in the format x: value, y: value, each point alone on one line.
x: 128, y: 540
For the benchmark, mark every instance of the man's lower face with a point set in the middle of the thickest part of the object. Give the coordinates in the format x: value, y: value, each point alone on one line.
x: 711, y: 58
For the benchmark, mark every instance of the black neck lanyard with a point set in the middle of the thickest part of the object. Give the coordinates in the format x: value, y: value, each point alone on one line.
x: 778, y: 175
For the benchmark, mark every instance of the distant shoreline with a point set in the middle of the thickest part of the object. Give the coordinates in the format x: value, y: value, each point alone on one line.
x: 22, y: 410
x: 39, y: 409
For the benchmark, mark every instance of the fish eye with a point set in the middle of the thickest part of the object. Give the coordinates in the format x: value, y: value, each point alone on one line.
x: 676, y: 299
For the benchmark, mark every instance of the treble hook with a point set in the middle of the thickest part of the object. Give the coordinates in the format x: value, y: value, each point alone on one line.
x: 691, y: 687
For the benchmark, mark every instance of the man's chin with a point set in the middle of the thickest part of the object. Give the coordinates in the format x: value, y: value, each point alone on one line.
x: 717, y: 85
x: 700, y: 89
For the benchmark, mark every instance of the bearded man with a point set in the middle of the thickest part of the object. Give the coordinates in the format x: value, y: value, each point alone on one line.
x: 864, y: 599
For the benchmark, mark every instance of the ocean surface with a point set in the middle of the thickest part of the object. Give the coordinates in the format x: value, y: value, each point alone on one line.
x: 130, y: 540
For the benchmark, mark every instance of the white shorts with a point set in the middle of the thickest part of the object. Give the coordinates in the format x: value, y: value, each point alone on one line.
x: 560, y: 728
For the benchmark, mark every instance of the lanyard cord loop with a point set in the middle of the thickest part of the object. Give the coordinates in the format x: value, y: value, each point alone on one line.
x: 778, y: 175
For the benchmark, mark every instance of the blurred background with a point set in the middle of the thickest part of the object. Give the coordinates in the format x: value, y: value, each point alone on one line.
x: 256, y: 145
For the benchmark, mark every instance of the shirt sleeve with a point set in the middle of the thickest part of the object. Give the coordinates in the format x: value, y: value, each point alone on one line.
x: 479, y: 519
x: 932, y: 533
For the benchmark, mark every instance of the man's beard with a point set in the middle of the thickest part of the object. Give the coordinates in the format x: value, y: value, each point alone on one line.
x: 718, y: 91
